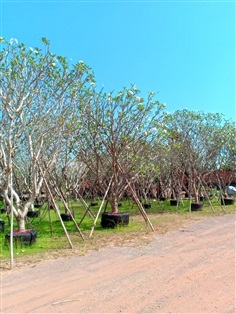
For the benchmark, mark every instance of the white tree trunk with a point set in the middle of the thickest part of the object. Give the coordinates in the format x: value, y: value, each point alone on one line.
x: 21, y: 223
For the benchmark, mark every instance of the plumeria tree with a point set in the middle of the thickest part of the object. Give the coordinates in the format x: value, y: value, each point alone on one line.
x: 224, y: 164
x: 197, y: 141
x: 116, y: 130
x: 37, y: 95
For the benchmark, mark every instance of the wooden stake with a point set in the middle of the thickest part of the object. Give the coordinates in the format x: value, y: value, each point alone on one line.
x: 140, y: 206
x: 67, y: 208
x: 88, y: 210
x: 57, y: 210
x: 96, y: 218
x: 50, y: 219
x: 212, y: 207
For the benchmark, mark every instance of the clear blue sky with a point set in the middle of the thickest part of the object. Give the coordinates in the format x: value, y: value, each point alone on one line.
x: 184, y: 50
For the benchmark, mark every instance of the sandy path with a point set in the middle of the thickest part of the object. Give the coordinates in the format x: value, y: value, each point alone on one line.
x: 191, y: 270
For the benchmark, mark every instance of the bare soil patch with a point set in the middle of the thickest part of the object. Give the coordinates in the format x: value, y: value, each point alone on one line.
x: 188, y: 270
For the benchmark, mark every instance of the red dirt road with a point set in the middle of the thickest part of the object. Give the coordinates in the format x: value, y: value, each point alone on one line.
x: 191, y: 270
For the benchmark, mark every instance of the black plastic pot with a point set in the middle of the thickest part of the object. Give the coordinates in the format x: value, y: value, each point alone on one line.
x: 38, y: 205
x: 2, y: 225
x: 66, y: 217
x: 110, y: 220
x: 162, y: 198
x: 147, y: 205
x: 28, y: 237
x: 173, y: 202
x: 94, y: 204
x: 33, y: 213
x: 196, y: 206
x: 227, y: 201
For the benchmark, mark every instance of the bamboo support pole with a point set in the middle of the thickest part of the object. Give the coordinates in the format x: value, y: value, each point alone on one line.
x: 87, y: 207
x: 50, y: 220
x: 147, y: 220
x: 212, y: 207
x: 57, y: 210
x: 11, y: 235
x: 84, y: 215
x: 140, y: 206
x: 98, y: 213
x: 68, y: 209
x: 88, y: 210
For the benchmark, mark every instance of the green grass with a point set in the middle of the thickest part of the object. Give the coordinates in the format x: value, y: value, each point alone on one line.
x: 163, y: 217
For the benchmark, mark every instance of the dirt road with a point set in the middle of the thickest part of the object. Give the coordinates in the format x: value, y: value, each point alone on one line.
x: 191, y: 270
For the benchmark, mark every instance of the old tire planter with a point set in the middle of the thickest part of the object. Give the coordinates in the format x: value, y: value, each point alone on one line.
x: 110, y: 220
x: 196, y: 206
x: 28, y: 237
x: 38, y: 205
x: 66, y: 217
x: 227, y: 201
x: 2, y: 225
x: 33, y: 213
x: 173, y: 202
x: 163, y: 199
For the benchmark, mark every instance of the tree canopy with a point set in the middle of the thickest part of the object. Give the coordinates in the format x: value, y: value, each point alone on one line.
x: 53, y: 117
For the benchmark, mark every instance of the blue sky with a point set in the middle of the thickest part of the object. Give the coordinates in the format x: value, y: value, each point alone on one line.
x: 182, y: 50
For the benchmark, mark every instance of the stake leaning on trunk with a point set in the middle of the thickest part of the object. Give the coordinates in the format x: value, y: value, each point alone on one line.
x: 140, y: 206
